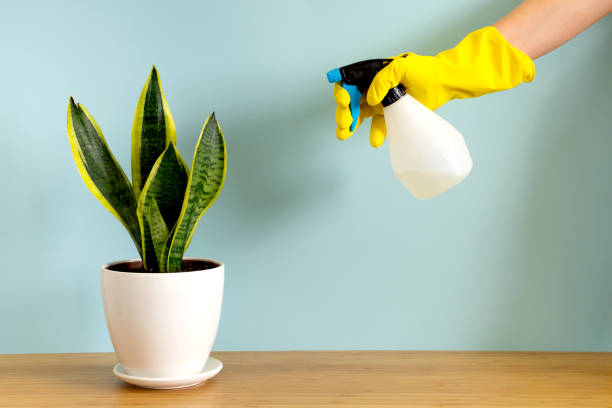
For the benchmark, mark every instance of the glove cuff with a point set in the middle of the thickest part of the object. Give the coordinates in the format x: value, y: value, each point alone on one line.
x: 483, y: 62
x: 521, y: 65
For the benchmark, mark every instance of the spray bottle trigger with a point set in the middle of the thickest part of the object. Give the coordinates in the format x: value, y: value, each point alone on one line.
x: 354, y: 104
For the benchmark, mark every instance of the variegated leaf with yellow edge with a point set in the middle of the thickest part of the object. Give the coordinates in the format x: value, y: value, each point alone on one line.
x: 153, y: 129
x: 158, y: 229
x: 100, y: 170
x: 162, y: 193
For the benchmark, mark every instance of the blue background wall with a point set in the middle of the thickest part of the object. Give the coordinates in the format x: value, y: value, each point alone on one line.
x: 324, y: 247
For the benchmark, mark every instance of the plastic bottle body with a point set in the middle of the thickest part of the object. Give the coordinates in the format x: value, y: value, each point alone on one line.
x: 428, y: 155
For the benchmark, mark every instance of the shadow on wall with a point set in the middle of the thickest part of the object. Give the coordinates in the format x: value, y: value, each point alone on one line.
x: 561, y: 296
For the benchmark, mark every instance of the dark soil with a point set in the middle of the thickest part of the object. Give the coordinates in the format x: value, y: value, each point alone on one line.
x: 189, y: 265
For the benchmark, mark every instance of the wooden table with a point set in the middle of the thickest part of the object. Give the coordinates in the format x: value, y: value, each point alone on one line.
x: 343, y: 378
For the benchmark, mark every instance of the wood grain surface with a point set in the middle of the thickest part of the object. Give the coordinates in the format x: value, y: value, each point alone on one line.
x: 322, y: 378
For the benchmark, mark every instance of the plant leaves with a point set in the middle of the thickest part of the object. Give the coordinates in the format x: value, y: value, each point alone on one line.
x: 166, y: 187
x: 158, y: 230
x: 100, y: 170
x: 206, y: 179
x: 153, y: 129
x: 166, y: 249
x: 149, y: 258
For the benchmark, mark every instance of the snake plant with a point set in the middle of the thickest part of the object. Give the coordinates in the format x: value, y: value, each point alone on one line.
x: 165, y: 201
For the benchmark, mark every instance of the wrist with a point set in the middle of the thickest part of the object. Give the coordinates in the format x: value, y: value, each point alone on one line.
x: 484, y: 62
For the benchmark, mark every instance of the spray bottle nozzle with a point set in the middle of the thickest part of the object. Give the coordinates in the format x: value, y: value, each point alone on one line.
x: 334, y: 75
x: 356, y: 79
x: 359, y: 73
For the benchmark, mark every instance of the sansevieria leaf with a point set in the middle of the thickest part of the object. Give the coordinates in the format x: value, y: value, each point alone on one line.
x: 153, y: 129
x: 158, y: 230
x: 99, y: 169
x: 149, y: 259
x: 164, y: 189
x: 166, y: 249
x: 206, y: 179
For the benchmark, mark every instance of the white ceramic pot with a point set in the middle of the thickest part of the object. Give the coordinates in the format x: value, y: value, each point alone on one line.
x: 163, y: 324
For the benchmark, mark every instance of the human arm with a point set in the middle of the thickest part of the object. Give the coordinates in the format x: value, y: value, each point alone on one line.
x: 537, y: 27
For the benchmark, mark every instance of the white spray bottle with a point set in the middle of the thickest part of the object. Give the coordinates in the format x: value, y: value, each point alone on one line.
x: 428, y: 154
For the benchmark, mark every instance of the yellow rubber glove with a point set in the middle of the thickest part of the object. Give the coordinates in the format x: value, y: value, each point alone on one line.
x: 483, y: 62
x: 378, y: 129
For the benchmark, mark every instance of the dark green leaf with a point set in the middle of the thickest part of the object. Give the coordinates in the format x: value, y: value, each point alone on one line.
x: 100, y: 171
x: 152, y: 131
x: 166, y: 187
x: 159, y: 230
x: 204, y: 185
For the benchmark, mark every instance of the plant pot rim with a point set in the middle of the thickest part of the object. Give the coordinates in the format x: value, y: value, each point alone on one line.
x: 108, y: 267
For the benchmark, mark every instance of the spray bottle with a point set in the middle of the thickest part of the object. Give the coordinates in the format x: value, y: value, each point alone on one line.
x: 428, y: 154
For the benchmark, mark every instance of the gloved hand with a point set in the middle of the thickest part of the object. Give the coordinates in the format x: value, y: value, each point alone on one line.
x: 483, y: 62
x: 378, y: 129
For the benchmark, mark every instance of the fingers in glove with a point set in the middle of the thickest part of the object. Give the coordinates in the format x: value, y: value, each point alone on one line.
x: 345, y: 133
x: 343, y: 117
x: 378, y: 130
x: 343, y: 112
x: 341, y: 96
x: 387, y: 78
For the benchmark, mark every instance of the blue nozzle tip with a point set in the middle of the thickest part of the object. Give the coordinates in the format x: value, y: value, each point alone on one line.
x: 334, y: 75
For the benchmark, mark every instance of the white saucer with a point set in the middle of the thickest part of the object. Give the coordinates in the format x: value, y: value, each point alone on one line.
x: 211, y: 368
